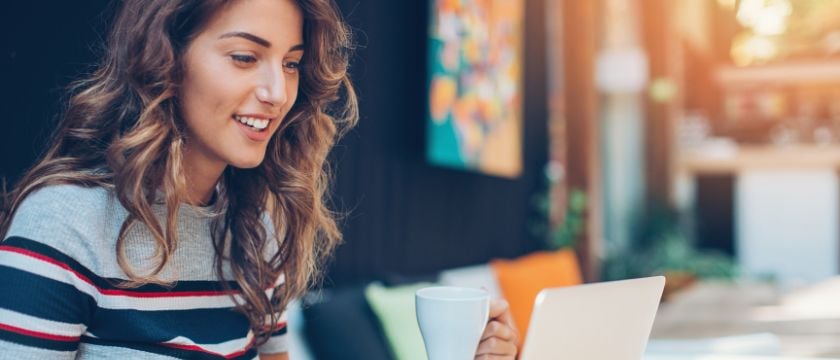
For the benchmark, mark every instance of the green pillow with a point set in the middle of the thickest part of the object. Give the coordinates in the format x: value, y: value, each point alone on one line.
x: 395, y: 309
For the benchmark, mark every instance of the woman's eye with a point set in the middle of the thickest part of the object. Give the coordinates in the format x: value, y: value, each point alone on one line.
x: 292, y: 66
x: 243, y: 59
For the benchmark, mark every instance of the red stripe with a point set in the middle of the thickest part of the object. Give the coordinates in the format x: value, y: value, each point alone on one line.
x: 46, y: 259
x: 203, y: 350
x: 118, y: 292
x: 37, y: 334
x: 114, y: 292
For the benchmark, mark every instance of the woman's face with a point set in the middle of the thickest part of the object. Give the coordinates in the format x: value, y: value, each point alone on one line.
x: 241, y: 79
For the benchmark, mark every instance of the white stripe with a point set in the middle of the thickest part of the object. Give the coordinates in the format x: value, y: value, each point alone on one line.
x: 225, y: 348
x: 280, y: 280
x: 120, y: 302
x: 37, y: 324
x: 10, y: 350
x: 116, y: 302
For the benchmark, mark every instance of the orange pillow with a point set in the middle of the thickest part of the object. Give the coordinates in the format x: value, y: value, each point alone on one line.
x: 522, y: 279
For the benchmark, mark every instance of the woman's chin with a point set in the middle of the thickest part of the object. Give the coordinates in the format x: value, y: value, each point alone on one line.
x: 248, y: 163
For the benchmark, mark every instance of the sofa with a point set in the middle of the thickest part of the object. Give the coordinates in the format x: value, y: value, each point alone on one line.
x: 376, y: 320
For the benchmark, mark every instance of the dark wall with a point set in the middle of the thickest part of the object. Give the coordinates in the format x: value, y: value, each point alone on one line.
x: 404, y: 216
x: 45, y: 44
x: 409, y: 217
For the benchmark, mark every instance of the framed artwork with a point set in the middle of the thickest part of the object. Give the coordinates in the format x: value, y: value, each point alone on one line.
x: 474, y: 117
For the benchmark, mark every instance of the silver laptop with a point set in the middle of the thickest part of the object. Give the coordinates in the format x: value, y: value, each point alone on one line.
x: 600, y: 321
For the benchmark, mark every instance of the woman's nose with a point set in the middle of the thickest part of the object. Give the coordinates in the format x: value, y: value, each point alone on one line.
x: 274, y: 90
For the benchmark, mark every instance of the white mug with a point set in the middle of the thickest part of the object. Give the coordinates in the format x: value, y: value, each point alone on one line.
x: 452, y: 320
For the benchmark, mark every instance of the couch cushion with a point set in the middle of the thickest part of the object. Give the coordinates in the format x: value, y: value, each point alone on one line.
x: 395, y: 310
x: 476, y: 276
x: 522, y: 279
x: 340, y: 325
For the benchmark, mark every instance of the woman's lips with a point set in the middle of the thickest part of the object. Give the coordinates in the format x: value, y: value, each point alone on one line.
x: 252, y: 133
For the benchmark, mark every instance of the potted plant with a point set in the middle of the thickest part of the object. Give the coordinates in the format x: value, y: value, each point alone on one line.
x: 661, y: 244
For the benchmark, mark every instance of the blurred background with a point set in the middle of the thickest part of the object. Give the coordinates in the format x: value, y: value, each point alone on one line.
x: 699, y: 139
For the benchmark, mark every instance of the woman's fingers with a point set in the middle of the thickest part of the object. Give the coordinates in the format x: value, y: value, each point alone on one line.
x: 495, y: 357
x: 500, y: 330
x: 500, y: 337
x: 497, y: 347
x: 500, y: 310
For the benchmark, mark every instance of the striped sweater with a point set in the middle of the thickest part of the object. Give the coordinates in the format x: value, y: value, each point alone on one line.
x: 58, y: 267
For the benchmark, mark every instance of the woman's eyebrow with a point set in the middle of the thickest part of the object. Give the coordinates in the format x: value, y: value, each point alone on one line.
x: 260, y: 41
x: 298, y: 47
x: 248, y: 36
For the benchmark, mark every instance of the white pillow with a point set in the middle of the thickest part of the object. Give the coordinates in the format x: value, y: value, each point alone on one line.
x: 477, y: 276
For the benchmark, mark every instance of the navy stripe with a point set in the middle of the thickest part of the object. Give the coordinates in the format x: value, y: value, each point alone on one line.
x: 44, y: 298
x: 113, y: 283
x: 280, y: 331
x: 167, y: 351
x: 54, y: 300
x: 203, y: 326
x: 30, y: 341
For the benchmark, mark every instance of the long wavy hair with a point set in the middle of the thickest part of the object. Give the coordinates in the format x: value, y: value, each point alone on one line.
x: 122, y: 130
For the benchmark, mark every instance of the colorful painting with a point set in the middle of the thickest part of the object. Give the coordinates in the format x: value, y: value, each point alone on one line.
x: 475, y: 85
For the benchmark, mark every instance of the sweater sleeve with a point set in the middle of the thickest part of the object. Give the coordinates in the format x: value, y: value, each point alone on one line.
x: 279, y: 341
x: 44, y: 307
x: 46, y: 298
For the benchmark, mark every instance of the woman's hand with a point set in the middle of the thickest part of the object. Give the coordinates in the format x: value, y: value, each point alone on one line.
x: 500, y: 335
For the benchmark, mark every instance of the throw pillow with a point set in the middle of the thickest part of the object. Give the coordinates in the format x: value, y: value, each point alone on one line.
x: 522, y: 279
x: 394, y: 307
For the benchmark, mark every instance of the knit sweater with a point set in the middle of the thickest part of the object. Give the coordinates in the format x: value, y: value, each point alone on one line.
x: 58, y: 293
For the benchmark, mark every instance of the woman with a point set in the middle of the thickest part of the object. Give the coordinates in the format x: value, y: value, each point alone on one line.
x: 186, y: 180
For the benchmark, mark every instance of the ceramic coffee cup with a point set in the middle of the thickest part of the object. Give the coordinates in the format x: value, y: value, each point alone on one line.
x: 452, y: 320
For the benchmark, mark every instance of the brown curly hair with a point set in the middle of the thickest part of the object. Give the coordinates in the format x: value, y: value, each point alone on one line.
x: 121, y: 130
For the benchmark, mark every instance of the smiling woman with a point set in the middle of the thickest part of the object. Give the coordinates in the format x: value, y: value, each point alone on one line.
x: 241, y: 78
x: 180, y: 207
x: 185, y: 179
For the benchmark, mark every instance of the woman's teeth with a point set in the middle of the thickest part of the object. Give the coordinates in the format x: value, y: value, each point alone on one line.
x: 255, y: 123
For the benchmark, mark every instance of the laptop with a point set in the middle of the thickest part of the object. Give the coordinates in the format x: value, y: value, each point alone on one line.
x: 599, y: 321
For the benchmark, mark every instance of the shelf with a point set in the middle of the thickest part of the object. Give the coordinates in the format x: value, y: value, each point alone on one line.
x: 739, y: 158
x: 812, y: 72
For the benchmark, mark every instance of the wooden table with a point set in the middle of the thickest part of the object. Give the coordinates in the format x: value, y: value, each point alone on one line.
x: 805, y: 320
